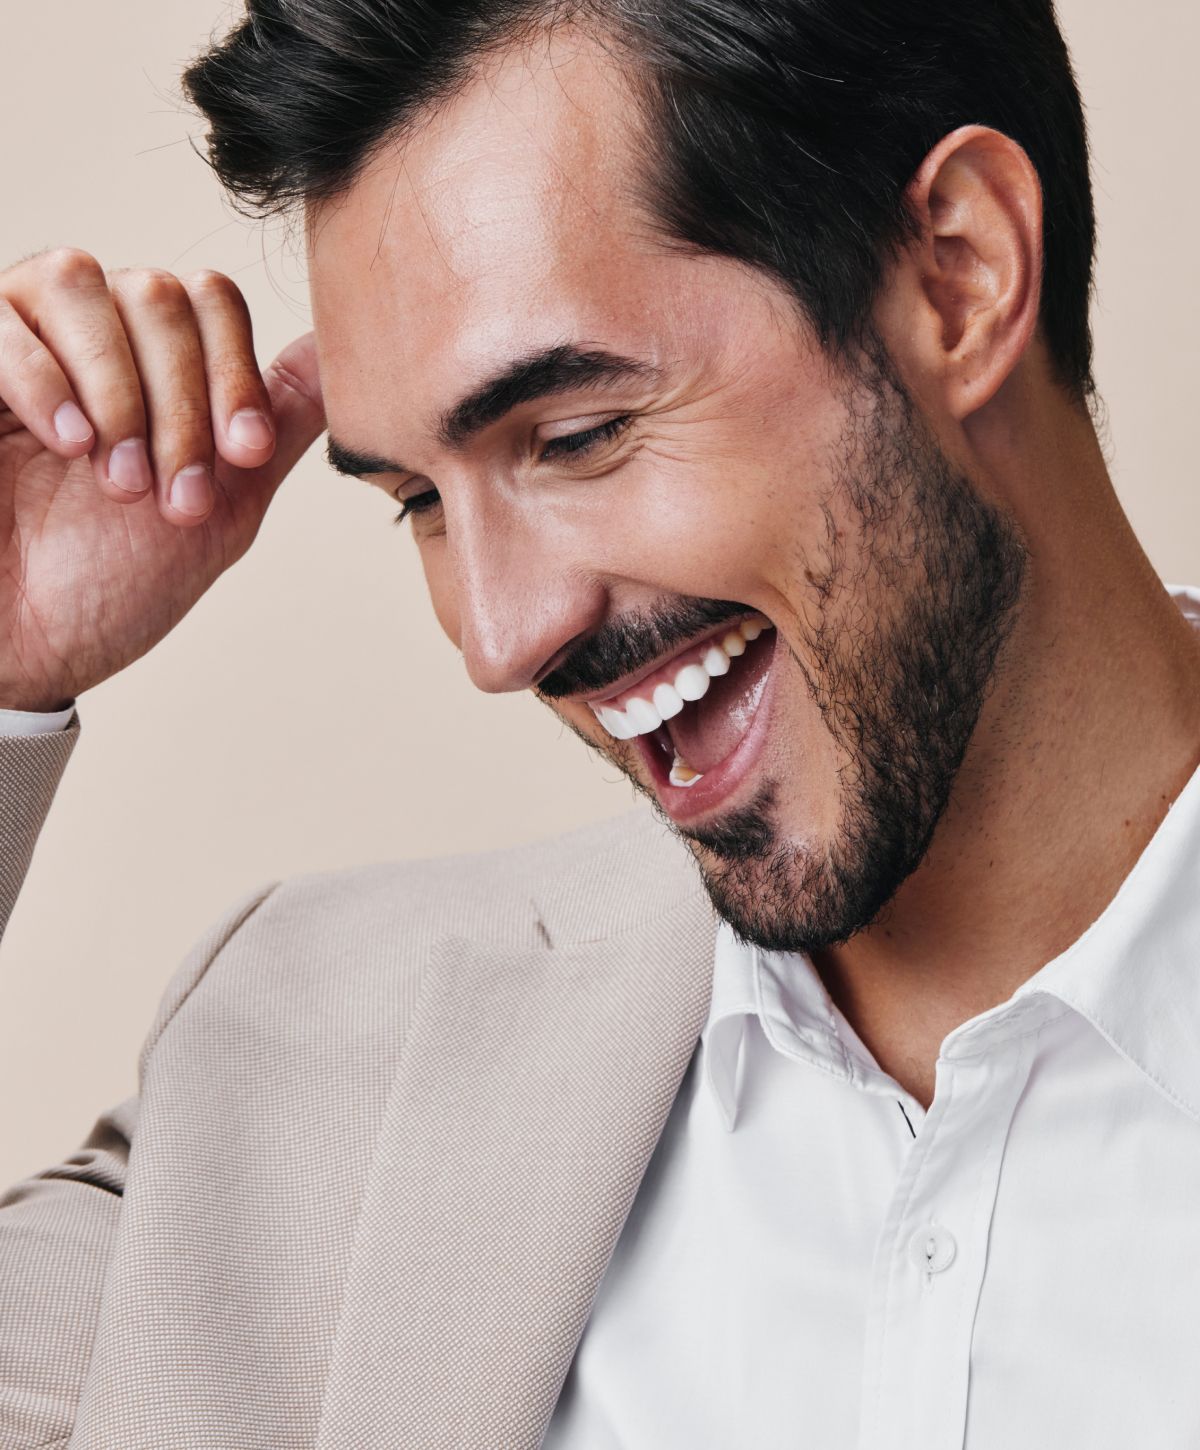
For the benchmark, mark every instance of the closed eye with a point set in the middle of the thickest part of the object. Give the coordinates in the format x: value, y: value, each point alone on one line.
x: 574, y: 445
x: 418, y: 504
x: 570, y: 445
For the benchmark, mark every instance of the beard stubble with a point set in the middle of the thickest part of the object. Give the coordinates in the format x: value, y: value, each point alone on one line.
x: 903, y: 651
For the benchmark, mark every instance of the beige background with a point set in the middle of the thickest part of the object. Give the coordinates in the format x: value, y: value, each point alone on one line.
x: 308, y: 713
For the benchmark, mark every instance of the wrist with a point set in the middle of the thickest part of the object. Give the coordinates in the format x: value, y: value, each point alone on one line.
x: 35, y: 704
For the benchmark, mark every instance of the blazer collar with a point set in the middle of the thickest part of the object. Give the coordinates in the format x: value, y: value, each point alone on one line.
x: 533, y: 1087
x: 611, y: 880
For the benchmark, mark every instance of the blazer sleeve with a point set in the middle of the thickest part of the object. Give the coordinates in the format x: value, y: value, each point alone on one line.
x: 58, y: 1228
x: 31, y: 767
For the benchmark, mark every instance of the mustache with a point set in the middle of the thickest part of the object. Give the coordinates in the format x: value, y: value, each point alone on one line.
x: 632, y: 643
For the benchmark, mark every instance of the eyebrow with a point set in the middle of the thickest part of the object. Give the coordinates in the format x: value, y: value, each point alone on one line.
x: 542, y: 374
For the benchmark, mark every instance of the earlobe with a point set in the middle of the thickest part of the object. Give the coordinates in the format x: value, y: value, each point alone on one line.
x: 977, y: 201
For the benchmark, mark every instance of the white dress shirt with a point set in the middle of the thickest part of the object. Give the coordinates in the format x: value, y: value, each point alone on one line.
x: 34, y: 722
x: 813, y: 1262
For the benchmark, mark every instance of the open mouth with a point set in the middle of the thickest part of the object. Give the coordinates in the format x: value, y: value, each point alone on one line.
x: 698, y: 718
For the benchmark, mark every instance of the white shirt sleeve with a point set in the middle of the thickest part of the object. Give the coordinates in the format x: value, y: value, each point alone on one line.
x: 35, y: 722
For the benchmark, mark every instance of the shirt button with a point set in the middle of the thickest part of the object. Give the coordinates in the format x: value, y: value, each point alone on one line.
x: 932, y: 1248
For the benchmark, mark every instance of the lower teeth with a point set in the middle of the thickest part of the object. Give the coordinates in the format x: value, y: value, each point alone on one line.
x: 682, y: 773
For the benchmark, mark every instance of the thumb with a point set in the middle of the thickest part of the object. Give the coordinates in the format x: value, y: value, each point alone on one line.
x: 294, y: 384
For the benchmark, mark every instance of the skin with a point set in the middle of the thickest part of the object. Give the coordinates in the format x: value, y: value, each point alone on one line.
x: 465, y: 244
x: 92, y: 574
x: 505, y: 222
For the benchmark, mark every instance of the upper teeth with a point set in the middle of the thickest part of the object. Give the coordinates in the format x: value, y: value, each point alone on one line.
x: 642, y: 715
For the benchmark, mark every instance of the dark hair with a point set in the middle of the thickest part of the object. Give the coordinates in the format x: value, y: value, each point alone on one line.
x: 785, y: 132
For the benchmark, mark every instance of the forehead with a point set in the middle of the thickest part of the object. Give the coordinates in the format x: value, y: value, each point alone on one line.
x: 504, y: 220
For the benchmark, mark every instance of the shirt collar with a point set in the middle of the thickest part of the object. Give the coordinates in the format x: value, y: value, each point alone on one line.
x: 724, y: 1034
x: 1134, y: 974
x: 785, y: 993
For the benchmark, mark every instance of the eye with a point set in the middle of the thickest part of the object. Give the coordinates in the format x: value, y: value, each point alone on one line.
x: 419, y: 503
x: 570, y: 445
x: 575, y: 445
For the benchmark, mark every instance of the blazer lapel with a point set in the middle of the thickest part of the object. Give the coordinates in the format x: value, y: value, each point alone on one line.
x: 532, y: 1090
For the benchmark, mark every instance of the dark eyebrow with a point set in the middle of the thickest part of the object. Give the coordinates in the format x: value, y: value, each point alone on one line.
x: 542, y: 374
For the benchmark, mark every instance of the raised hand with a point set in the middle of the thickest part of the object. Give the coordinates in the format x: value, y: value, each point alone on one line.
x: 139, y: 449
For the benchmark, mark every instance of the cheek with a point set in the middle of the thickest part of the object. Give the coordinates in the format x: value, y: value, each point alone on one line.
x: 729, y: 530
x: 759, y: 524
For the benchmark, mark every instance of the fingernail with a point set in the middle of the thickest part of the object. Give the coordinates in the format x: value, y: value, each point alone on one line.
x: 250, y: 429
x: 129, y: 466
x: 70, y: 424
x: 191, y: 492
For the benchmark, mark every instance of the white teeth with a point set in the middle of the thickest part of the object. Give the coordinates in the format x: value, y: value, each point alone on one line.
x: 614, y: 722
x: 682, y: 774
x: 668, y: 701
x: 643, y: 718
x: 716, y: 661
x: 733, y: 644
x: 750, y: 629
x: 692, y: 682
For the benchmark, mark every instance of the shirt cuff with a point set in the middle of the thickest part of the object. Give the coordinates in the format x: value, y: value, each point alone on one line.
x: 35, y: 722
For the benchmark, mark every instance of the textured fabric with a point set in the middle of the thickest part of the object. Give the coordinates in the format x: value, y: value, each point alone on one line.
x: 30, y: 770
x: 390, y: 1125
x: 390, y: 1121
x: 812, y: 1259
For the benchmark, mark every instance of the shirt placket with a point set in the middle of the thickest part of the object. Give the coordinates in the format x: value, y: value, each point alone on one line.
x: 932, y: 1251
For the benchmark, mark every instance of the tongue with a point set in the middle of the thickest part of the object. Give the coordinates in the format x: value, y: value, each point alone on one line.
x: 706, y: 732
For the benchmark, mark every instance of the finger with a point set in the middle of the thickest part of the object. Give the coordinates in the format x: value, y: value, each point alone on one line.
x: 76, y: 320
x: 36, y: 390
x: 294, y: 384
x: 294, y: 388
x: 157, y: 316
x: 238, y: 400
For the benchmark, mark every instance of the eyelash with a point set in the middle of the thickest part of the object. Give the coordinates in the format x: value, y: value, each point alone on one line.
x: 579, y: 443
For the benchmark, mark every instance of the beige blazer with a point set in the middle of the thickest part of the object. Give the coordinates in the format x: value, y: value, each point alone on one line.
x: 390, y: 1123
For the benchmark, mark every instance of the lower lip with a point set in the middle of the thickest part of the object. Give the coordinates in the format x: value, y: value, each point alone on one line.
x: 716, y: 786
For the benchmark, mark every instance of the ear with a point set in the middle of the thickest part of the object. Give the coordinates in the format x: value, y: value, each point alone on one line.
x: 962, y: 303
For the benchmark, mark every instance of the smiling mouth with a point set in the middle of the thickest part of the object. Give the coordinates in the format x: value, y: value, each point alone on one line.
x: 693, y: 714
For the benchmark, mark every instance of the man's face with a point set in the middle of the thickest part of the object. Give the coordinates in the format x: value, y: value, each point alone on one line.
x: 733, y: 534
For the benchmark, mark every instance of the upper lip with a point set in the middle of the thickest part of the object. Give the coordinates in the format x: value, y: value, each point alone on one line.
x: 627, y: 682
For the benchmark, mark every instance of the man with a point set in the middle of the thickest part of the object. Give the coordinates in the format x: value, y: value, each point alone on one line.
x: 732, y: 363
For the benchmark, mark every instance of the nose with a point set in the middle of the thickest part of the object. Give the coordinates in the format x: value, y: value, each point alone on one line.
x: 521, y: 599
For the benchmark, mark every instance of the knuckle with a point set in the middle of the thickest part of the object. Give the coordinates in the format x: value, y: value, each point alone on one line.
x: 208, y: 285
x: 152, y: 287
x: 236, y: 374
x: 14, y: 335
x: 293, y: 382
x: 71, y: 268
x: 31, y: 366
x: 187, y: 419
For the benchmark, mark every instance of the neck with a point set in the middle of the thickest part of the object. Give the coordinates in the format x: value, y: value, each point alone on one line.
x: 1091, y: 731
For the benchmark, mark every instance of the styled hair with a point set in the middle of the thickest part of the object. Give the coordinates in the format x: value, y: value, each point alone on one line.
x: 783, y: 133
